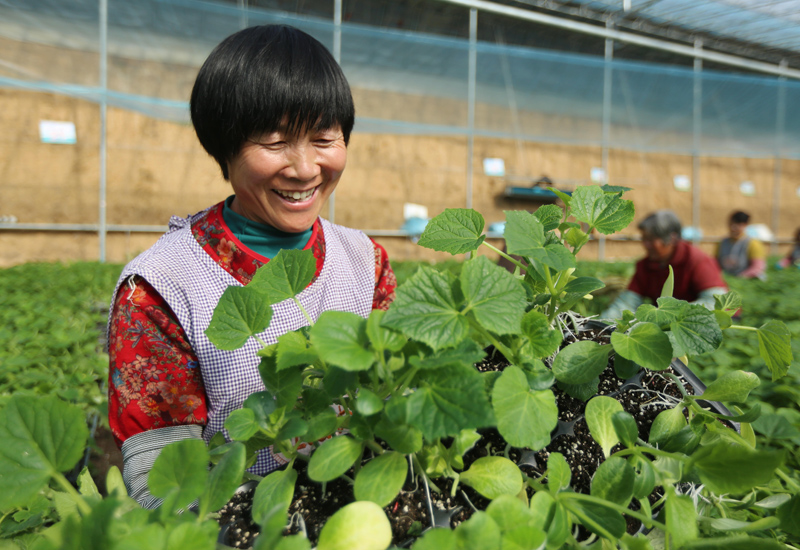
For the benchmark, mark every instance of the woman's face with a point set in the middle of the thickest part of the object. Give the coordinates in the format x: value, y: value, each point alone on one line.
x: 657, y: 249
x: 284, y: 180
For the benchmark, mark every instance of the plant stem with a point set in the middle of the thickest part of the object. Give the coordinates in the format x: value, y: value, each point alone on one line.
x: 507, y: 353
x: 68, y: 488
x: 506, y: 256
x: 303, y: 311
x: 789, y: 481
x: 650, y: 522
x: 374, y: 447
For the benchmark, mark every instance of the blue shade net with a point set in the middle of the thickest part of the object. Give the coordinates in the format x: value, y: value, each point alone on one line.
x: 520, y: 93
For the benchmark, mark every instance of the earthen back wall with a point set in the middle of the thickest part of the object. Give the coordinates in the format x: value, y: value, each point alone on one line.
x: 156, y: 169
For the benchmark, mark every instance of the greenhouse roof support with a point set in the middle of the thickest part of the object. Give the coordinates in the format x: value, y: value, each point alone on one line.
x: 628, y: 37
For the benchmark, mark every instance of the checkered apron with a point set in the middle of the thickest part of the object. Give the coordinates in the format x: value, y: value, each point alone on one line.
x: 191, y: 282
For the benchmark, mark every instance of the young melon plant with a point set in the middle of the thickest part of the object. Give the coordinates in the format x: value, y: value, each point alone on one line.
x: 412, y: 401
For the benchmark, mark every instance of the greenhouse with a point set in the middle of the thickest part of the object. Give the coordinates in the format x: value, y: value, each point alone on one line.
x: 426, y: 274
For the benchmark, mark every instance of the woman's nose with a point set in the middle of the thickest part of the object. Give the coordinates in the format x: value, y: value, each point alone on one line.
x: 302, y: 162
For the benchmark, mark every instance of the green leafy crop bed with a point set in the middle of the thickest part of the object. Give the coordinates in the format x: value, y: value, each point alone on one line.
x: 52, y: 317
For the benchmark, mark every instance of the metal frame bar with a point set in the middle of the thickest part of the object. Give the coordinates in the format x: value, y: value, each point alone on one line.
x: 627, y: 37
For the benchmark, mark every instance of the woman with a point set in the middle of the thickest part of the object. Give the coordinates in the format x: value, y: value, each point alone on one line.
x: 274, y: 109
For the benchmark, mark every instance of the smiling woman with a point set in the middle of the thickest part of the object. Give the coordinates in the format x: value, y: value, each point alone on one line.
x: 274, y: 109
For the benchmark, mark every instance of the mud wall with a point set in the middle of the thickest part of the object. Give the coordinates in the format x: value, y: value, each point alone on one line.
x: 156, y: 169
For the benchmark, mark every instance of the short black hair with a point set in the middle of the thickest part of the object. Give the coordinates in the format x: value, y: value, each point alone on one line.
x: 264, y: 79
x: 740, y: 217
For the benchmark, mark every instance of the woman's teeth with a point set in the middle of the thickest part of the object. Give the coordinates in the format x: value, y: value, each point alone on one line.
x: 296, y: 195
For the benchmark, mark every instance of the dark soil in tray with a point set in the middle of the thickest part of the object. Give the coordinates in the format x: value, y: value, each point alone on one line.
x: 314, y: 503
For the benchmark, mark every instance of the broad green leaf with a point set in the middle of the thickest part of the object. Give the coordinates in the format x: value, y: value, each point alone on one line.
x: 695, y: 331
x: 261, y: 404
x: 425, y: 309
x: 584, y: 392
x: 360, y: 525
x: 367, y: 403
x: 669, y: 284
x: 381, y: 479
x: 599, y: 418
x: 554, y: 255
x: 456, y: 230
x: 523, y: 537
x: 543, y: 340
x: 628, y: 542
x: 645, y: 480
x: 320, y: 425
x: 493, y: 295
x: 732, y: 386
x: 452, y: 399
x: 730, y: 524
x: 559, y: 474
x: 192, y: 535
x: 333, y: 458
x: 336, y: 381
x: 479, y: 531
x: 606, y: 212
x: 291, y: 426
x: 614, y: 481
x: 775, y: 426
x: 625, y: 428
x: 381, y: 338
x: 580, y: 362
x: 598, y: 519
x: 668, y: 311
x: 525, y: 418
x: 575, y: 237
x: 293, y: 350
x: 362, y: 426
x: 523, y: 232
x: 293, y: 542
x: 550, y: 215
x: 625, y: 368
x: 241, y: 313
x: 583, y: 285
x: 645, y: 344
x: 741, y: 542
x: 753, y: 467
x: 775, y: 347
x: 284, y: 385
x: 40, y: 436
x: 789, y: 514
x: 285, y: 275
x: 666, y: 425
x: 275, y: 490
x: 437, y: 539
x: 224, y: 479
x: 509, y: 512
x: 401, y: 437
x: 681, y: 518
x: 115, y: 485
x: 182, y: 469
x: 565, y: 198
x: 731, y: 301
x: 468, y: 352
x: 341, y: 339
x: 774, y: 501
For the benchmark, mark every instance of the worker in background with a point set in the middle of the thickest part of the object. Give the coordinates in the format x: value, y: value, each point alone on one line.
x: 697, y: 277
x: 739, y: 254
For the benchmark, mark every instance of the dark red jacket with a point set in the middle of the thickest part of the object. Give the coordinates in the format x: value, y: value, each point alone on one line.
x: 695, y: 271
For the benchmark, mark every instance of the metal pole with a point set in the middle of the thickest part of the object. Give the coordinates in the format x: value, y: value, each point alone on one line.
x: 472, y: 77
x: 103, y: 137
x: 607, y: 88
x: 337, y: 55
x: 780, y: 115
x: 244, y: 21
x: 628, y: 38
x: 697, y: 127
